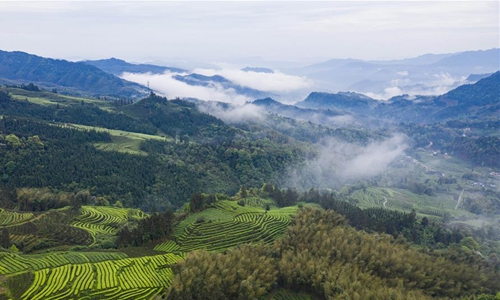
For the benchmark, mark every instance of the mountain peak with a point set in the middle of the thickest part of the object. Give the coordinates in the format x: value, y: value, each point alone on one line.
x: 257, y: 70
x: 76, y: 77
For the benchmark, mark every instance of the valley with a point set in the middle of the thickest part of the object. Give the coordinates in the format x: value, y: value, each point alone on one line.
x: 156, y: 198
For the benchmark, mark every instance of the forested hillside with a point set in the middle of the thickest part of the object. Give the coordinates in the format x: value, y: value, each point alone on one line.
x: 234, y: 210
x: 55, y: 73
x: 183, y: 152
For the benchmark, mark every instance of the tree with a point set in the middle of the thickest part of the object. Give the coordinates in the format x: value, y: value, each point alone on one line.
x: 278, y: 197
x: 243, y: 192
x: 13, y: 141
x: 268, y: 188
x: 5, y: 238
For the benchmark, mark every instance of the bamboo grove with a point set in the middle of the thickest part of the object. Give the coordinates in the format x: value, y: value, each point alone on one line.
x: 322, y: 255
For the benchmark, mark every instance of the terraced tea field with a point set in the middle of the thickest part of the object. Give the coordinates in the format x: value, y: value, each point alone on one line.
x: 115, y: 278
x: 227, y: 225
x: 105, y: 220
x: 122, y: 141
x: 114, y: 275
x: 49, y: 98
x: 403, y: 200
x: 9, y: 218
x: 63, y: 226
x: 12, y: 263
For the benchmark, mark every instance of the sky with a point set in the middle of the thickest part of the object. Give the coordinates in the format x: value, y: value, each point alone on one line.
x: 256, y: 31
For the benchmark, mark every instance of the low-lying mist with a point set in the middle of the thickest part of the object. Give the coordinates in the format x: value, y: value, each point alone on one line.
x: 338, y: 162
x: 287, y: 88
x: 437, y: 84
x: 171, y: 88
x: 234, y: 114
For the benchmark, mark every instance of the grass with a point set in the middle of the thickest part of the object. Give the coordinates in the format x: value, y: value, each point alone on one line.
x: 122, y: 141
x: 121, y: 133
x: 48, y: 98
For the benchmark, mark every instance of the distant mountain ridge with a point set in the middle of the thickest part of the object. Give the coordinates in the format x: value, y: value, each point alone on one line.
x: 330, y: 117
x: 425, y: 74
x: 118, y: 67
x: 481, y: 99
x: 348, y: 101
x: 25, y: 67
x: 258, y: 70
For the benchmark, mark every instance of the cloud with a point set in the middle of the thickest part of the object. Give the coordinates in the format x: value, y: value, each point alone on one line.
x: 276, y: 82
x: 171, y: 88
x: 438, y: 84
x: 373, y: 159
x: 222, y: 30
x: 338, y: 162
x: 234, y: 114
x: 402, y: 73
x: 284, y: 86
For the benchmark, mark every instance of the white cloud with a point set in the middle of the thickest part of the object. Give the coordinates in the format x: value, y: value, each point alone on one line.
x: 374, y: 159
x: 402, y: 73
x: 387, y: 93
x: 271, y: 30
x: 234, y: 114
x: 339, y: 162
x: 276, y: 82
x: 171, y: 88
x: 438, y: 84
x: 279, y: 84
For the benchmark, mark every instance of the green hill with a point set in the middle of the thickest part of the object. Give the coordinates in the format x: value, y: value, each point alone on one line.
x: 53, y: 73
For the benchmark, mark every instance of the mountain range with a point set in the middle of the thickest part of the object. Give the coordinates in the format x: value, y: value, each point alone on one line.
x: 430, y: 74
x: 72, y: 77
x: 479, y: 100
x: 118, y: 67
x: 427, y: 74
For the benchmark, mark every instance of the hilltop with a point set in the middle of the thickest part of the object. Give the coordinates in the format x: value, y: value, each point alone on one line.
x: 480, y: 99
x: 117, y: 67
x: 75, y: 77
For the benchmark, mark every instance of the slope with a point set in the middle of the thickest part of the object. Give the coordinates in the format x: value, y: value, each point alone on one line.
x: 24, y: 67
x: 117, y: 67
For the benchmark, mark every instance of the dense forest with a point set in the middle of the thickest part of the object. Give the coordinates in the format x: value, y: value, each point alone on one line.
x: 322, y: 255
x: 208, y: 156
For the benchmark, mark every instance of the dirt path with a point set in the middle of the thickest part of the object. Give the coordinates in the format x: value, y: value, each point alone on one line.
x: 459, y: 198
x: 385, y: 201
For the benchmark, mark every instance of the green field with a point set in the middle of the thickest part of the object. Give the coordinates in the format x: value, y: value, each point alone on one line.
x: 9, y: 218
x: 114, y: 275
x: 122, y: 141
x: 434, y: 207
x: 226, y: 225
x: 103, y: 220
x: 111, y: 278
x: 48, y: 98
x: 64, y: 226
